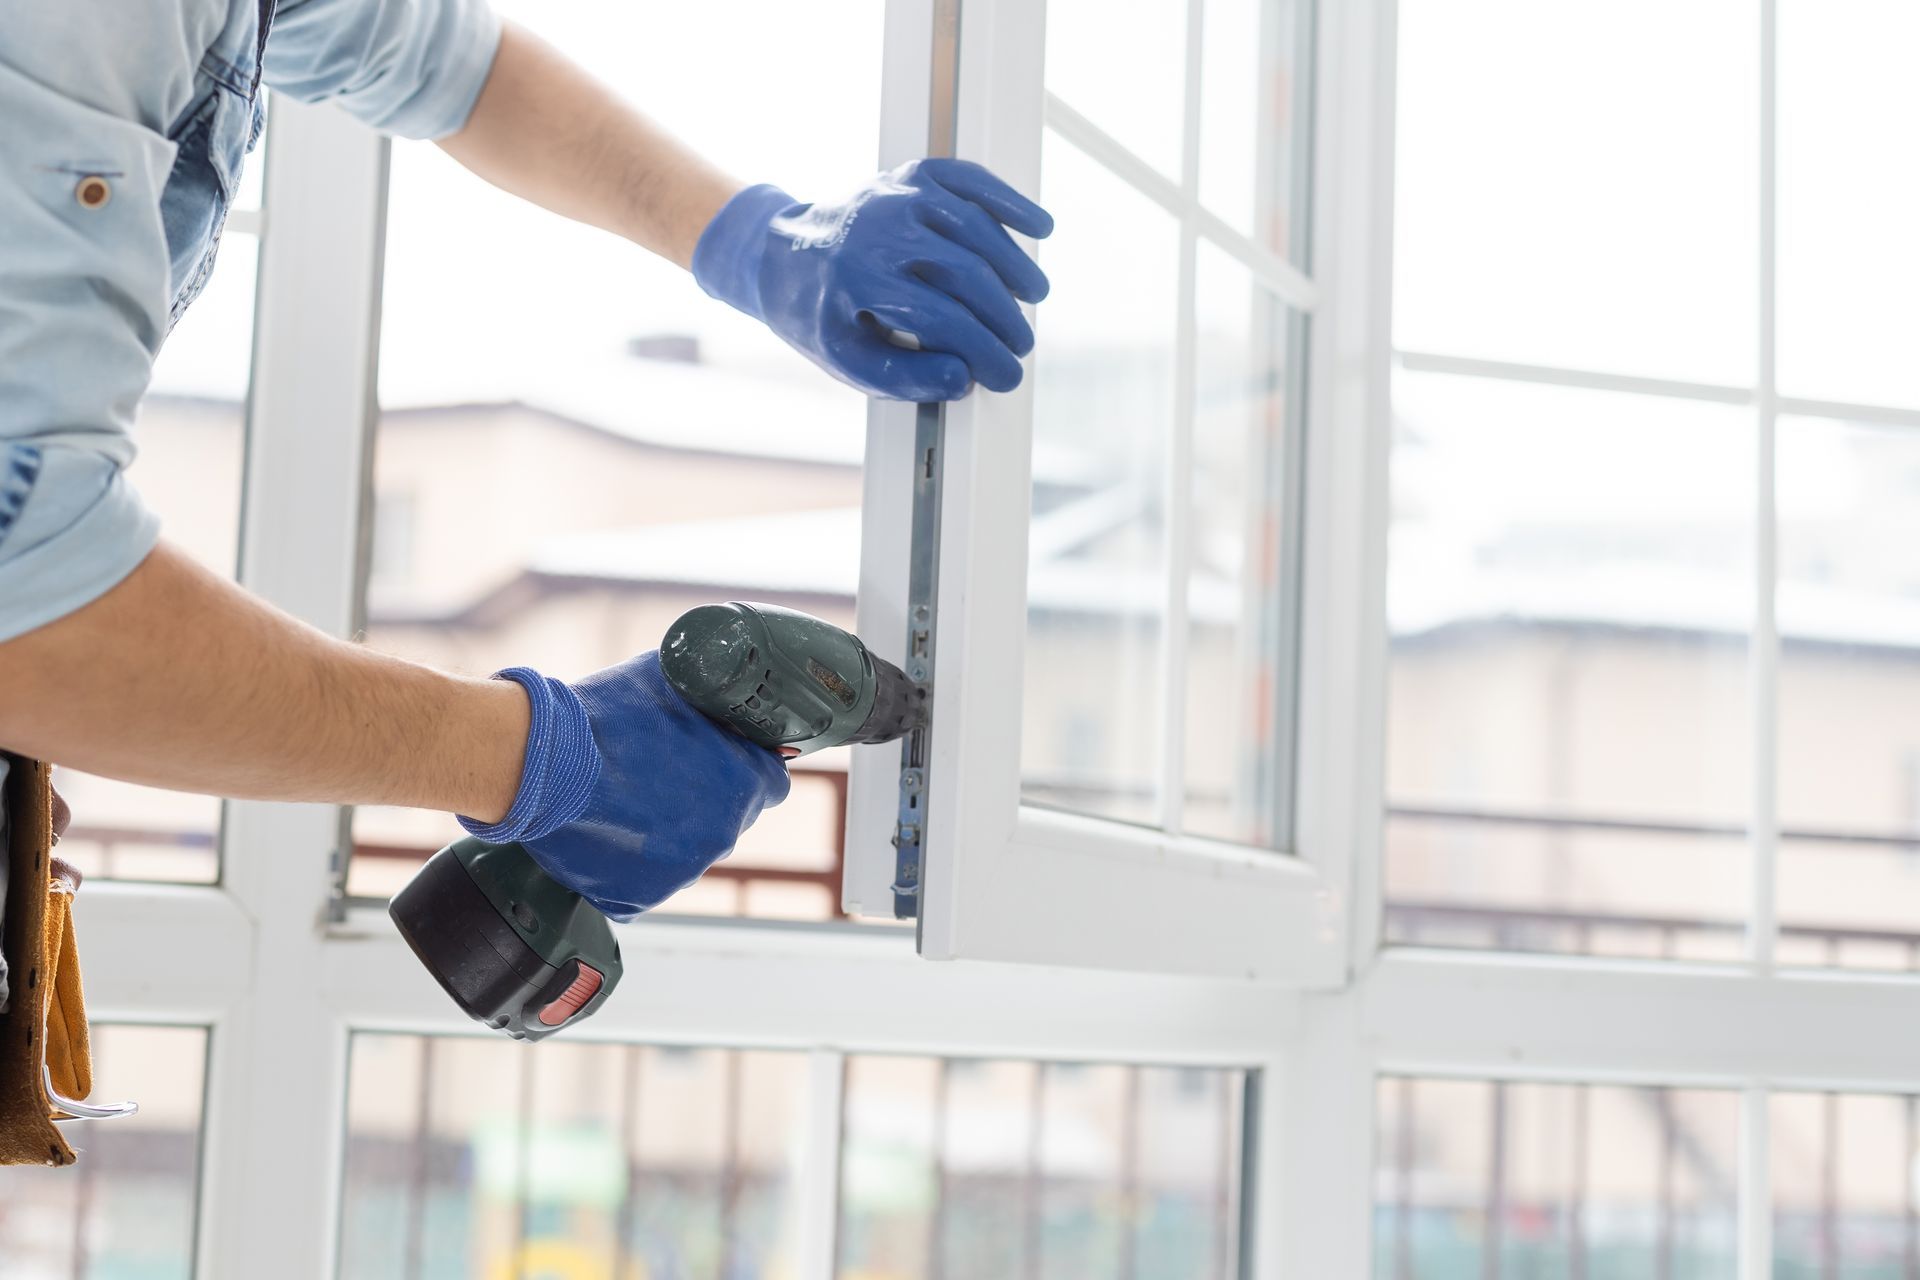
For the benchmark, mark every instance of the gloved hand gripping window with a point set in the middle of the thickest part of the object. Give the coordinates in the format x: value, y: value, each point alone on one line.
x: 910, y: 289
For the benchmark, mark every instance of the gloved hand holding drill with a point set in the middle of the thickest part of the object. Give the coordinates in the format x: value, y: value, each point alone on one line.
x: 628, y: 793
x: 635, y: 781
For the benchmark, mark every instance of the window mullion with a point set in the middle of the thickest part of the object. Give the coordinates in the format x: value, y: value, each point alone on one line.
x: 1764, y: 656
x: 1874, y: 414
x: 1557, y: 376
x: 167, y: 952
x: 1755, y: 1206
x: 273, y: 1167
x: 1177, y: 490
x: 819, y: 1249
x: 1635, y: 384
x: 1310, y: 1135
x: 1755, y: 1184
x: 855, y: 990
x: 1339, y: 750
x: 1648, y: 1021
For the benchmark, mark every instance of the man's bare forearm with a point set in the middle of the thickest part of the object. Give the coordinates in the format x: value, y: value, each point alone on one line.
x: 177, y: 678
x: 548, y: 132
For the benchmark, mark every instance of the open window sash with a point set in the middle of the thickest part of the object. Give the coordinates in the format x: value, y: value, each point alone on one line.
x: 1000, y: 876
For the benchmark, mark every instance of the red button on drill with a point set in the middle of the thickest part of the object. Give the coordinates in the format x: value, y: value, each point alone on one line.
x: 573, y: 998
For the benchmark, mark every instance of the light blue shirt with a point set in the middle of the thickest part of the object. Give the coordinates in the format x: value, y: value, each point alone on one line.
x: 123, y: 127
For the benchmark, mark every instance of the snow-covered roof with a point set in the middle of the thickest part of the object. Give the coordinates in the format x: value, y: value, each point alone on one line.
x: 818, y: 553
x: 673, y: 405
x: 809, y: 552
x: 1645, y: 597
x: 669, y: 404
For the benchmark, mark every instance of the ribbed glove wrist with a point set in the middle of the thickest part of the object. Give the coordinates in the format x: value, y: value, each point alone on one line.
x: 726, y: 262
x: 561, y: 768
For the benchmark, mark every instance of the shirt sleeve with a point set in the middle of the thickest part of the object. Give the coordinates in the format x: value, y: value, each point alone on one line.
x: 407, y: 67
x: 83, y: 309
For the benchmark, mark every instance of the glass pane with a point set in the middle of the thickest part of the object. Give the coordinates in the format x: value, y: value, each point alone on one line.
x: 1569, y: 589
x: 128, y: 1207
x: 1481, y: 1178
x: 1087, y: 40
x: 1849, y: 197
x: 470, y: 1157
x: 1577, y: 184
x: 1239, y: 668
x: 253, y: 184
x: 1849, y: 698
x: 577, y: 445
x: 1102, y: 419
x: 192, y: 437
x: 1563, y: 885
x: 1253, y: 115
x: 980, y: 1170
x: 1845, y: 1202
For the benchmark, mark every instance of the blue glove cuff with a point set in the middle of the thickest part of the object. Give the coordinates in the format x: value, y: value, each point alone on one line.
x: 561, y: 767
x: 726, y: 261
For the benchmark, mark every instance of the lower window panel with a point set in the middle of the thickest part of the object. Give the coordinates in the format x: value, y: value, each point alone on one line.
x: 1844, y: 1194
x: 471, y: 1157
x: 1010, y: 1170
x: 128, y: 1207
x: 1490, y: 1179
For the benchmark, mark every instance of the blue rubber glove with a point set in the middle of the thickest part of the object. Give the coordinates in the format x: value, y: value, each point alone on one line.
x: 918, y: 258
x: 628, y: 793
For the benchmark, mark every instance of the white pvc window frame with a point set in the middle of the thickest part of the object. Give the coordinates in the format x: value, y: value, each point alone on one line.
x: 1006, y: 881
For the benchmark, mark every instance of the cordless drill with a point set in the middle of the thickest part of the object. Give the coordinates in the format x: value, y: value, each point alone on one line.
x: 526, y: 956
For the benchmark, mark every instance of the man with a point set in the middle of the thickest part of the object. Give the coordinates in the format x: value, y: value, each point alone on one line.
x: 122, y: 133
